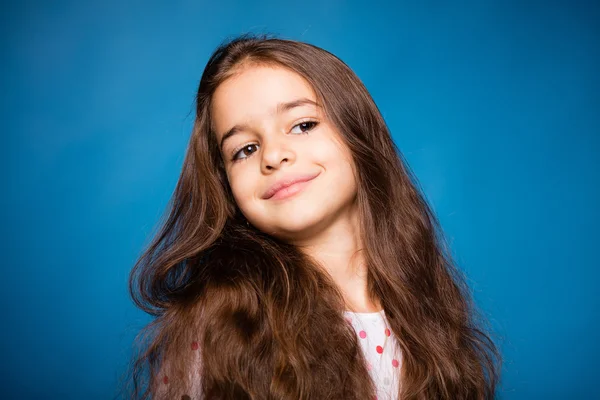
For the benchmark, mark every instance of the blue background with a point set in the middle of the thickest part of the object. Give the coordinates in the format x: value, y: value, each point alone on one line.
x: 495, y: 105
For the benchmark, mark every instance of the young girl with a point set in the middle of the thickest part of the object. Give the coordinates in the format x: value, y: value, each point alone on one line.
x: 299, y: 260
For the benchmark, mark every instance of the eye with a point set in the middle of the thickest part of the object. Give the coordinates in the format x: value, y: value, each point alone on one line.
x: 243, y: 150
x: 305, y: 126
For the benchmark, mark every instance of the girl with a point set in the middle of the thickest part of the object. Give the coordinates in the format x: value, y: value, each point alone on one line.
x: 299, y: 260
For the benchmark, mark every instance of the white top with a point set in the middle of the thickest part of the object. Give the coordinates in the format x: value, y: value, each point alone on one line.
x: 379, y: 346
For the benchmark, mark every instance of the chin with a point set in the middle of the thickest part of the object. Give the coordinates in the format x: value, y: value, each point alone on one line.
x: 294, y: 226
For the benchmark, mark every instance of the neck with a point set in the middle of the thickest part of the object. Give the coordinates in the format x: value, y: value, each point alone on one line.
x: 338, y: 249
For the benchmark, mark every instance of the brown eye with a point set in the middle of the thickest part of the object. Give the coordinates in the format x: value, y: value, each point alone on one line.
x: 305, y: 126
x: 244, y: 151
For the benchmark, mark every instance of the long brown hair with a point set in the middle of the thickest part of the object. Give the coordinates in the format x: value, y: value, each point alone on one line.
x: 242, y: 315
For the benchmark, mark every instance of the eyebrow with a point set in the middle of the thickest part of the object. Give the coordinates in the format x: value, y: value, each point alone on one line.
x: 280, y: 109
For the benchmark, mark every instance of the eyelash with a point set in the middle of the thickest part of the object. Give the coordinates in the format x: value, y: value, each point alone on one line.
x: 313, y: 124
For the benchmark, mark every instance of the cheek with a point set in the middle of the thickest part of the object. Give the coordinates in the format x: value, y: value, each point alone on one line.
x: 343, y: 179
x: 338, y: 162
x: 242, y: 187
x: 333, y: 156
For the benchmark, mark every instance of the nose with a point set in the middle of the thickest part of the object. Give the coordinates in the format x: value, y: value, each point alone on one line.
x: 274, y: 153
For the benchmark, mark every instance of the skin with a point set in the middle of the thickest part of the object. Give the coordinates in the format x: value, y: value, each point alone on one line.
x: 322, y: 219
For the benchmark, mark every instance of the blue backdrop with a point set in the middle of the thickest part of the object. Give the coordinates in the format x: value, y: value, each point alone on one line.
x: 495, y: 104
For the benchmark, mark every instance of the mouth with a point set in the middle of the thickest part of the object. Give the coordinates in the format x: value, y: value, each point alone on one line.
x: 290, y: 189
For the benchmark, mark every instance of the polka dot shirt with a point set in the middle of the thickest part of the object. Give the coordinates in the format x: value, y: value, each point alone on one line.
x: 383, y: 360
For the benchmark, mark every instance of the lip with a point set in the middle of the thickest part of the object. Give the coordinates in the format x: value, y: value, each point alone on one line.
x: 287, y: 182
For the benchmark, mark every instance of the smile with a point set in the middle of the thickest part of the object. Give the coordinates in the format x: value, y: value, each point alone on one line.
x: 290, y: 191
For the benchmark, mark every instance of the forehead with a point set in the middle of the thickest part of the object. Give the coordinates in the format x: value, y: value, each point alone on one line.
x: 254, y: 93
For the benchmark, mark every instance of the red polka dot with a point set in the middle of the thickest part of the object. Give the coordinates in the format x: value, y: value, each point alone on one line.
x: 379, y: 349
x: 165, y: 379
x: 362, y: 334
x: 194, y: 345
x: 369, y: 366
x: 387, y: 332
x: 374, y: 397
x: 348, y: 320
x: 395, y: 363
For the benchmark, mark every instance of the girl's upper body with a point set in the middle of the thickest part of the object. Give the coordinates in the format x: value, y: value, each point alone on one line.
x: 295, y: 218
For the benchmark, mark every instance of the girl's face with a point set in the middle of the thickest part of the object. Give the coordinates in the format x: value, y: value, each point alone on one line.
x: 271, y: 132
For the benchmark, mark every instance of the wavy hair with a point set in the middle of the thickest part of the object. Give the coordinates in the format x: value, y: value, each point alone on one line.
x: 242, y: 315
